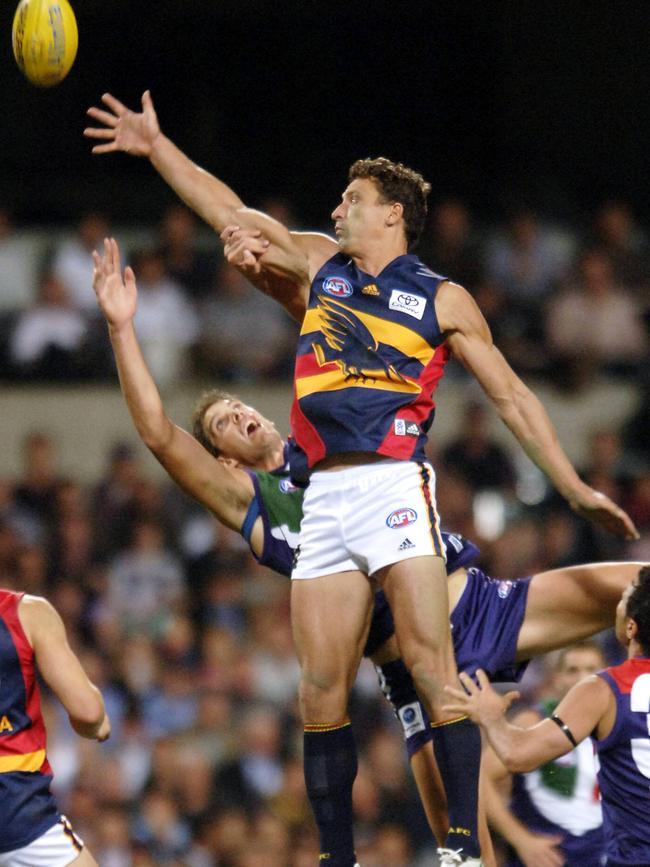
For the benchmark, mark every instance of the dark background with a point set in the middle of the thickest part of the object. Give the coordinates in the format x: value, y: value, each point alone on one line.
x: 500, y: 103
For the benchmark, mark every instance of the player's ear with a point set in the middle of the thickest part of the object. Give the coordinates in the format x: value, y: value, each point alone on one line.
x: 395, y: 213
x: 631, y: 629
x: 228, y: 462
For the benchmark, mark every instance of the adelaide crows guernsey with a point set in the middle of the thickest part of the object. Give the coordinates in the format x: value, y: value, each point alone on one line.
x: 370, y: 355
x: 624, y: 773
x: 27, y: 808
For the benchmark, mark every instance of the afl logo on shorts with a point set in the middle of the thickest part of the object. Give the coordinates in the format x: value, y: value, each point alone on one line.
x: 401, y: 518
x: 286, y: 487
x: 337, y: 286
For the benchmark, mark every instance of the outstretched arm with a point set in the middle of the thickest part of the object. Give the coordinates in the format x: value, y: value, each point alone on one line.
x: 226, y: 491
x: 470, y: 341
x: 582, y: 710
x: 61, y: 668
x: 139, y: 134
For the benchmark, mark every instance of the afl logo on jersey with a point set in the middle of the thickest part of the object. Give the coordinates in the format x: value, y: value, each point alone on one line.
x: 286, y: 487
x: 401, y: 518
x: 339, y: 287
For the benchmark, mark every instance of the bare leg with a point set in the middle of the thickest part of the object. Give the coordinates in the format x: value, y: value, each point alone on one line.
x: 578, y: 601
x: 84, y: 859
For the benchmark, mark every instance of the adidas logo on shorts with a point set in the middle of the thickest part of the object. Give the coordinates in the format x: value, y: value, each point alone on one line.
x: 406, y: 544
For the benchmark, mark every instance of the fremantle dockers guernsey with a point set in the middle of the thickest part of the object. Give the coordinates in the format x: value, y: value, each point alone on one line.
x: 370, y: 355
x: 624, y: 774
x: 27, y: 808
x: 562, y: 797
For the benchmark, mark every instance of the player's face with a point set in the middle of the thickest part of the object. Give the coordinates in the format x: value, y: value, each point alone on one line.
x: 361, y: 216
x: 240, y: 432
x: 577, y: 664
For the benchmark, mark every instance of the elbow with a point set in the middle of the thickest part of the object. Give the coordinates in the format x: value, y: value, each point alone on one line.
x: 90, y: 712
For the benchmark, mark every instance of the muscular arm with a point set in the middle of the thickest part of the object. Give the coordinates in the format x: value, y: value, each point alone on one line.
x: 470, y: 341
x: 139, y: 134
x: 61, y: 668
x: 588, y: 706
x: 226, y: 491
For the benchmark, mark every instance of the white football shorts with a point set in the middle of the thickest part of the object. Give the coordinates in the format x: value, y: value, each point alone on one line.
x: 366, y: 517
x: 57, y: 847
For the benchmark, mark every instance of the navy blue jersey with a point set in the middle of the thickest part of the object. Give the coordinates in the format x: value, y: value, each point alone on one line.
x: 27, y: 808
x: 369, y: 358
x: 624, y: 774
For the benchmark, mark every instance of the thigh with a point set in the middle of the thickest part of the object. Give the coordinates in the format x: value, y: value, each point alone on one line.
x: 568, y: 605
x: 330, y: 617
x: 85, y: 859
x: 416, y: 590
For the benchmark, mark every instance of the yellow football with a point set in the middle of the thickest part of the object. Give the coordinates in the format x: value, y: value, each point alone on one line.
x: 44, y: 38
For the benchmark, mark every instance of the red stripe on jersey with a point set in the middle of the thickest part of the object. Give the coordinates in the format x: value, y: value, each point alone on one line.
x: 34, y: 738
x: 306, y: 435
x: 307, y: 365
x: 402, y: 447
x: 625, y: 674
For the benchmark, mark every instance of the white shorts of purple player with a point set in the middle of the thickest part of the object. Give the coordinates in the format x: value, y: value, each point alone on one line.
x: 57, y: 847
x: 367, y: 517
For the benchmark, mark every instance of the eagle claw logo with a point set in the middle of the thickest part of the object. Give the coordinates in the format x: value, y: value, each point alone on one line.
x: 350, y: 344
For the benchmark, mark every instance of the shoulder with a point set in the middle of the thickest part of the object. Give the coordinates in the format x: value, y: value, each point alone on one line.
x: 37, y: 616
x: 457, y: 310
x: 317, y: 247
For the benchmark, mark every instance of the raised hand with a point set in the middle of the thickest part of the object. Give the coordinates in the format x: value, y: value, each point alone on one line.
x: 244, y: 249
x: 116, y: 296
x: 123, y: 129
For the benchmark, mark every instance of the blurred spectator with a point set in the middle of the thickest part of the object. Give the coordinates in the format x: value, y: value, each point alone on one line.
x: 72, y: 263
x: 529, y: 260
x: 35, y: 493
x: 193, y: 269
x: 245, y: 337
x: 475, y: 457
x: 166, y: 322
x: 450, y: 245
x: 115, y: 499
x: 18, y: 267
x: 626, y: 244
x: 596, y: 322
x: 49, y: 340
x: 144, y: 581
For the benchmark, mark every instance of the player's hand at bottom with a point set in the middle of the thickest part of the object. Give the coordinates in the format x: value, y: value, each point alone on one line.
x: 540, y: 850
x: 104, y: 730
x: 481, y: 703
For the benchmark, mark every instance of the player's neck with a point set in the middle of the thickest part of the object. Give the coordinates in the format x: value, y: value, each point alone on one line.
x: 376, y: 255
x: 274, y: 459
x: 634, y: 649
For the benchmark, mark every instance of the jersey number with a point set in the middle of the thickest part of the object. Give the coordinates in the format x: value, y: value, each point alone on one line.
x: 640, y: 703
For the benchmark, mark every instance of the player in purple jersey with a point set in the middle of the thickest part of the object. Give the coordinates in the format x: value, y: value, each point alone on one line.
x: 497, y: 624
x: 368, y: 346
x: 612, y: 707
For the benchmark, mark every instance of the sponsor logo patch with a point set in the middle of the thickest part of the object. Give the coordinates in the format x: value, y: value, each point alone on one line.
x: 406, y: 302
x: 411, y: 718
x: 504, y: 589
x: 404, y: 428
x: 286, y: 487
x: 370, y: 289
x: 406, y: 544
x: 339, y: 287
x: 401, y: 518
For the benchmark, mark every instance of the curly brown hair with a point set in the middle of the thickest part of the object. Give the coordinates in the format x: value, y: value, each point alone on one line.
x: 397, y: 183
x: 202, y: 405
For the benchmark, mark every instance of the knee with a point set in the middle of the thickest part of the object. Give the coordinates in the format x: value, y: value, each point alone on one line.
x: 323, y: 695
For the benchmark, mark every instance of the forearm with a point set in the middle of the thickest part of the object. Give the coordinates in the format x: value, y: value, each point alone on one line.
x: 527, y: 419
x: 88, y: 723
x: 209, y: 197
x: 500, y: 818
x: 139, y: 389
x: 521, y: 750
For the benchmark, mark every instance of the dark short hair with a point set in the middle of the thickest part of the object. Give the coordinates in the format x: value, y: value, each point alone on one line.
x: 397, y: 183
x: 638, y: 607
x: 198, y: 415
